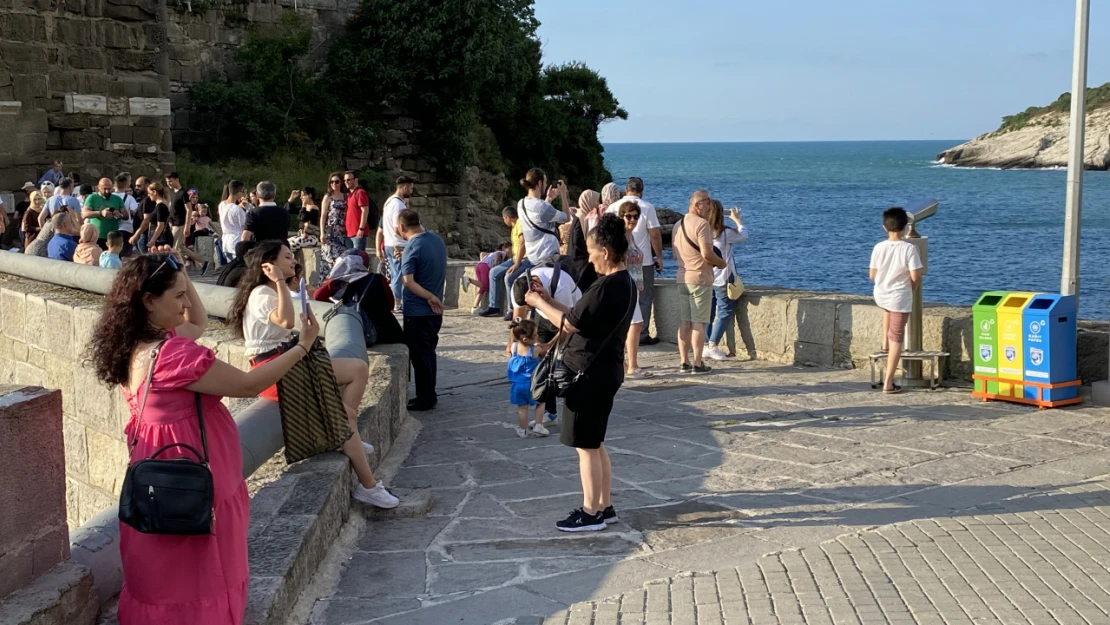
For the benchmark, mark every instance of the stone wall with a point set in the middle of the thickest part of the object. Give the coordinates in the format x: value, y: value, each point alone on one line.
x: 466, y: 213
x: 204, y: 43
x: 829, y: 329
x: 838, y: 330
x: 83, y: 81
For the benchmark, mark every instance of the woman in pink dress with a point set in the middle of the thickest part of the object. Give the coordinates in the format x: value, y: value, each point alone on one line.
x: 180, y: 580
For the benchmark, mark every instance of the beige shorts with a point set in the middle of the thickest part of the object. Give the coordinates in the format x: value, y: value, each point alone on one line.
x: 694, y: 303
x: 178, y: 238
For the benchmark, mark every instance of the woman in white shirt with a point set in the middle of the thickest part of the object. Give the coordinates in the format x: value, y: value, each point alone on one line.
x: 724, y: 237
x: 233, y: 216
x: 262, y: 313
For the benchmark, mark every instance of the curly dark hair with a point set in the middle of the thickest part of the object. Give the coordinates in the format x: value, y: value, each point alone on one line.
x: 123, y: 322
x: 264, y: 252
x: 609, y: 233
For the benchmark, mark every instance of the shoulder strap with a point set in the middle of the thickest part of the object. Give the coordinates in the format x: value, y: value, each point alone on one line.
x: 142, y: 405
x: 682, y: 226
x: 556, y: 273
x: 523, y: 213
x: 628, y: 315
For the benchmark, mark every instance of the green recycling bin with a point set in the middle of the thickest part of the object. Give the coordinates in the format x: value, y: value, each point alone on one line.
x: 985, y: 332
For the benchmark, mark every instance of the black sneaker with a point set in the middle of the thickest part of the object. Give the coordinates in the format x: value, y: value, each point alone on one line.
x: 609, y: 515
x: 581, y: 521
x: 702, y: 368
x: 649, y: 340
x: 490, y: 312
x: 686, y: 368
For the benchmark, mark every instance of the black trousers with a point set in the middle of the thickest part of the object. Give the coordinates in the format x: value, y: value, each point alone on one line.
x: 545, y: 331
x: 422, y: 337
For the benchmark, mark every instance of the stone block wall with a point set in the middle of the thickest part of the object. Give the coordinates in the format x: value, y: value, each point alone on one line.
x: 838, y: 330
x: 33, y: 533
x: 204, y: 43
x: 82, y: 81
x: 43, y: 333
x: 466, y: 213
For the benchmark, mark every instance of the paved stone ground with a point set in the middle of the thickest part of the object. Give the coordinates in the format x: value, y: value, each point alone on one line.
x: 814, y: 498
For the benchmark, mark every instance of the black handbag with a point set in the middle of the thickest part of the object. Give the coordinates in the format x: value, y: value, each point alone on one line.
x: 173, y: 496
x: 552, y: 375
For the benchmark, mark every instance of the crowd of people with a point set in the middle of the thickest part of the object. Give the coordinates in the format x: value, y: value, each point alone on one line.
x: 587, y: 298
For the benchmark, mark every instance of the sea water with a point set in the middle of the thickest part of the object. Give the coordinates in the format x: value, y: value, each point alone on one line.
x: 815, y: 212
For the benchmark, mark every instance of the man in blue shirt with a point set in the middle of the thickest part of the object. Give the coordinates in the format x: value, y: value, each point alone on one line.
x: 52, y: 175
x: 424, y: 272
x: 64, y: 243
x: 61, y: 201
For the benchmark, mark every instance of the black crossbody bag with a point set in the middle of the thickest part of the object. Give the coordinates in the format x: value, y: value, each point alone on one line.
x: 553, y: 374
x: 173, y: 496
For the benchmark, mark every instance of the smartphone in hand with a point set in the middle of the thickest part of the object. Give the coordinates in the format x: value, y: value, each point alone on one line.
x: 304, y: 298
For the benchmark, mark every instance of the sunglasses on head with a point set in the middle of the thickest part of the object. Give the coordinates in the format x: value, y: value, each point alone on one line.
x: 168, y: 261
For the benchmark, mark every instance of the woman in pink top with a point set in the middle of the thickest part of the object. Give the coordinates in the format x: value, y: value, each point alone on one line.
x: 180, y: 580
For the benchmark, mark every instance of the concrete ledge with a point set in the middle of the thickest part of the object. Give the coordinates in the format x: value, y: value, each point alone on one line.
x: 838, y: 330
x: 295, y: 519
x: 61, y: 596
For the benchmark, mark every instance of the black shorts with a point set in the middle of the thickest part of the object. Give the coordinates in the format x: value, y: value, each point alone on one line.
x: 586, y: 412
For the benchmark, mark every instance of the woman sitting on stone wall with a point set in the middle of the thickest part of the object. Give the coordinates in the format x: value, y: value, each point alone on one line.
x: 262, y: 313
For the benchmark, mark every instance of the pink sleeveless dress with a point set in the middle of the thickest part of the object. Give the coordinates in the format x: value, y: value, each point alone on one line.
x: 187, y: 580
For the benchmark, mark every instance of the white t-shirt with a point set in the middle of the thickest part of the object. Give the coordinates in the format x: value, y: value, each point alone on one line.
x: 640, y: 234
x: 567, y: 294
x: 539, y: 246
x: 893, y: 261
x: 132, y: 207
x: 232, y: 220
x: 259, y: 335
x: 390, y: 211
x: 724, y: 243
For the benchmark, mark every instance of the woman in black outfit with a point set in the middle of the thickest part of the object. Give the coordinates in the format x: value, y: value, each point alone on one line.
x: 597, y: 326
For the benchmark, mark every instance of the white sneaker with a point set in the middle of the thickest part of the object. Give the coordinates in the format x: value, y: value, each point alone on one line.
x: 378, y: 496
x: 539, y: 430
x: 521, y: 432
x: 367, y: 447
x: 713, y: 353
x: 464, y: 284
x: 548, y: 419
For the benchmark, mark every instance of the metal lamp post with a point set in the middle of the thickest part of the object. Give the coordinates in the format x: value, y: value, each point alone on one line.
x: 1069, y: 278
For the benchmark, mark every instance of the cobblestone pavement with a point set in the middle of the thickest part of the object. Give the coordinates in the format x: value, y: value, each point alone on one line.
x: 1038, y: 558
x: 816, y: 500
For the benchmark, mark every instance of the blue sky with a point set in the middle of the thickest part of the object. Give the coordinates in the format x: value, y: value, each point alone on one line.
x: 807, y: 70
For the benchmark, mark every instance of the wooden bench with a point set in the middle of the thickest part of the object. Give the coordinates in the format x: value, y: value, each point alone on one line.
x: 933, y: 358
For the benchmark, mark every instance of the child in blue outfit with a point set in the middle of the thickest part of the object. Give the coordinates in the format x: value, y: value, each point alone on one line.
x: 524, y: 355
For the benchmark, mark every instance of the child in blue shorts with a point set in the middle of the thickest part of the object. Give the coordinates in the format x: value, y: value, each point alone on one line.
x: 524, y: 355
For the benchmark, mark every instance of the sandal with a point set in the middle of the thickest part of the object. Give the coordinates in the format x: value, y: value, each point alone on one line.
x: 894, y: 390
x: 641, y: 374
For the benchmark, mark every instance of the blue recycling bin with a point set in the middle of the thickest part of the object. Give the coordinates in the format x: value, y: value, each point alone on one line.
x: 1050, y: 335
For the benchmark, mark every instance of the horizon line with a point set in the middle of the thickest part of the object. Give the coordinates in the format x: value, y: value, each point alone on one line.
x: 778, y: 141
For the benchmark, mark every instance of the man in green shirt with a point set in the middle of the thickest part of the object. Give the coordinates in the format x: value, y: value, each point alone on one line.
x: 104, y: 209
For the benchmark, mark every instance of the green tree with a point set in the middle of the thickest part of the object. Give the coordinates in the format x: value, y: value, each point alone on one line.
x: 270, y: 103
x: 431, y: 58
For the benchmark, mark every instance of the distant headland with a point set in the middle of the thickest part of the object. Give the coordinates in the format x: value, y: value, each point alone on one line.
x: 1037, y: 138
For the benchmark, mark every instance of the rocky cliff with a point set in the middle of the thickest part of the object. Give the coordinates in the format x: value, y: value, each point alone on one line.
x: 1040, y: 143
